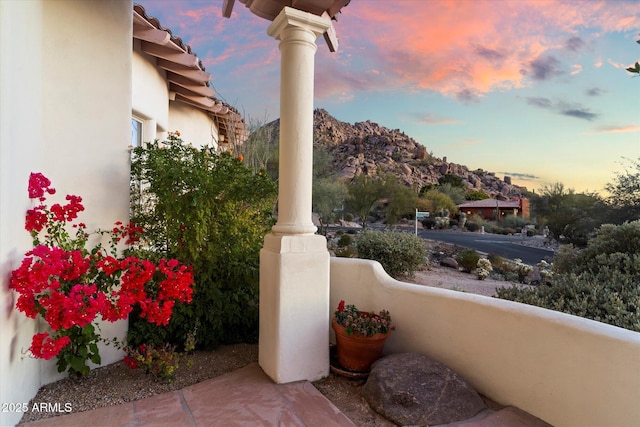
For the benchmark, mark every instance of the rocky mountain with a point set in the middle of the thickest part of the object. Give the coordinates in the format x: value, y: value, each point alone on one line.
x: 370, y: 149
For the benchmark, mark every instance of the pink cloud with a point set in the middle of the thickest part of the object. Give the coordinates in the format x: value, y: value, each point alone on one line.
x: 435, y: 119
x: 618, y: 129
x: 459, y: 49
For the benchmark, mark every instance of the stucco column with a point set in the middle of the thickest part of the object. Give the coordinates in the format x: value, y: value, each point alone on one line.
x: 294, y: 262
x: 297, y: 32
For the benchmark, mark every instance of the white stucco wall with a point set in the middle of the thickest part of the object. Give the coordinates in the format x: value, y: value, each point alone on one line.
x: 20, y: 151
x: 151, y: 103
x: 150, y: 93
x: 566, y: 370
x: 195, y: 125
x: 65, y: 92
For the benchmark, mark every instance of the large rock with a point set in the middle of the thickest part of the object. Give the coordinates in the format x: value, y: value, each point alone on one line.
x: 412, y: 389
x: 449, y: 262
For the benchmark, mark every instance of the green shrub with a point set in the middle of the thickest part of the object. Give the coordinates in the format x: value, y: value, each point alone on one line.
x: 428, y: 223
x: 208, y: 210
x: 348, y: 217
x: 468, y: 259
x: 351, y: 231
x: 499, y: 264
x: 346, y: 252
x: 345, y: 240
x: 472, y: 226
x: 399, y: 253
x: 600, y: 282
x: 511, y: 221
x: 453, y: 223
x: 611, y: 297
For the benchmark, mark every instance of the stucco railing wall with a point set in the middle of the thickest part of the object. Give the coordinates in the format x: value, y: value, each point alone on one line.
x: 566, y: 370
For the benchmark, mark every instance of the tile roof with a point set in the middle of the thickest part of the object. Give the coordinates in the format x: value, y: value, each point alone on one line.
x: 186, y: 75
x: 489, y: 203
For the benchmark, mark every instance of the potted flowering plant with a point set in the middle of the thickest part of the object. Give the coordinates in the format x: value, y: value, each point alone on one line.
x: 70, y: 285
x: 360, y: 336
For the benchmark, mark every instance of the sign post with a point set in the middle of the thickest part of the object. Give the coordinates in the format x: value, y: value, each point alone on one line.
x: 420, y: 215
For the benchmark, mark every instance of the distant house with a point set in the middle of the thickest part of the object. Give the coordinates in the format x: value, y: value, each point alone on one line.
x: 79, y: 83
x: 487, y: 208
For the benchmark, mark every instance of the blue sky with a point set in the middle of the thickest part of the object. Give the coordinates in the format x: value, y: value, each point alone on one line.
x: 532, y: 89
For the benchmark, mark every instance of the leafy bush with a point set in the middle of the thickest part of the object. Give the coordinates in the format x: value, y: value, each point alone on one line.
x: 345, y: 240
x: 600, y: 282
x: 610, y: 297
x: 515, y: 222
x: 399, y: 253
x: 468, y: 259
x: 472, y: 226
x: 428, y: 223
x: 209, y: 210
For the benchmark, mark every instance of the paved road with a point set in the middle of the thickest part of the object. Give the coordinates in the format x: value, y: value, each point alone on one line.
x: 504, y: 246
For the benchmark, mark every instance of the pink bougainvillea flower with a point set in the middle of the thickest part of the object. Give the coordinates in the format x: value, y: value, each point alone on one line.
x: 45, y: 347
x: 38, y: 184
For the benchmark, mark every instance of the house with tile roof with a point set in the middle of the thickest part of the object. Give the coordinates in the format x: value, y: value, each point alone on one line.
x: 81, y: 82
x: 488, y: 208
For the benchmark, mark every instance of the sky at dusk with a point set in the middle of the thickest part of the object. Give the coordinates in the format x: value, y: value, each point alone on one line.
x: 536, y: 90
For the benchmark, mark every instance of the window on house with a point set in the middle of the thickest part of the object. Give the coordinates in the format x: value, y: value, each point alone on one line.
x: 136, y: 132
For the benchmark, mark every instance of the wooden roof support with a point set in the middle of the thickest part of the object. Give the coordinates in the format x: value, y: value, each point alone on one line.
x: 177, y: 56
x: 190, y: 85
x: 190, y: 73
x: 151, y: 35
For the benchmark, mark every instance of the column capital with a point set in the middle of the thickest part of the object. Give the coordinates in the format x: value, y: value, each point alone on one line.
x: 290, y: 17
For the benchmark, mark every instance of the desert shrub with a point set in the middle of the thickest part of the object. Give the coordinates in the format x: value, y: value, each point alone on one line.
x: 468, y: 259
x: 472, y: 226
x: 531, y: 232
x: 515, y: 222
x: 345, y: 240
x: 346, y: 252
x: 428, y: 223
x: 600, y: 282
x: 499, y: 264
x: 351, y: 231
x: 483, y: 268
x: 453, y: 223
x: 610, y: 297
x: 209, y: 210
x: 339, y: 233
x: 348, y: 217
x: 399, y: 253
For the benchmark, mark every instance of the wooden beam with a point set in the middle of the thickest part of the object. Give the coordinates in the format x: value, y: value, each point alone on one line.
x: 330, y: 35
x: 179, y: 57
x: 193, y: 74
x: 201, y: 102
x: 190, y: 84
x: 151, y: 35
x: 227, y: 8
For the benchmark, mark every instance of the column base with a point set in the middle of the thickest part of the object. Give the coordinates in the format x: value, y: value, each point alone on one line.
x: 294, y: 308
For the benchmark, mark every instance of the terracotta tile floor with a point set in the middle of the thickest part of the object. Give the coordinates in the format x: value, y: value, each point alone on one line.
x: 246, y: 397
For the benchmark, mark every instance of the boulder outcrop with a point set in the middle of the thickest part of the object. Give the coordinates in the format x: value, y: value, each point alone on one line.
x: 412, y: 389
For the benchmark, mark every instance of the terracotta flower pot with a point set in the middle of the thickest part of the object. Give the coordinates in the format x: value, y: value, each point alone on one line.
x: 355, y: 352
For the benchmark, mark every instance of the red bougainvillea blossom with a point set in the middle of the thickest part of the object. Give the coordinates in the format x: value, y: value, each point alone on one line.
x: 70, y: 289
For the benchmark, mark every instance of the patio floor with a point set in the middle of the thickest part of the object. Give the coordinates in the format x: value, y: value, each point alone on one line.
x: 247, y: 397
